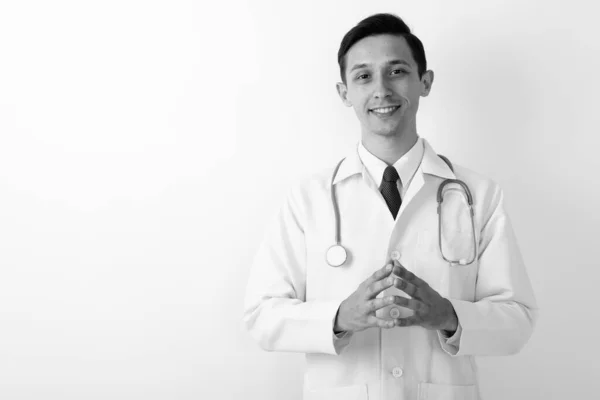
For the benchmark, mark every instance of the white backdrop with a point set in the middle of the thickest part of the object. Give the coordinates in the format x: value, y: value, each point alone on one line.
x: 144, y: 146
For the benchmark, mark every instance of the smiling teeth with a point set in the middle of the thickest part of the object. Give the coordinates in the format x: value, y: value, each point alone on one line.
x: 384, y: 110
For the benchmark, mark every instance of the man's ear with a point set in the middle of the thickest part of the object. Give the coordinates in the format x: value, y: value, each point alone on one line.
x: 343, y: 92
x: 426, y: 82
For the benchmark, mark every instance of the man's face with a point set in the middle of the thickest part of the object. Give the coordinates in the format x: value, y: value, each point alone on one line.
x: 383, y: 85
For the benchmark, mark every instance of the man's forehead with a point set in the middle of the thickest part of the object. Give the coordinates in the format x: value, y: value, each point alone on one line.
x: 380, y: 49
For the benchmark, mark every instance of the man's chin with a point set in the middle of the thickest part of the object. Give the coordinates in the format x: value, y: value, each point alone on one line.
x: 390, y: 129
x: 385, y: 132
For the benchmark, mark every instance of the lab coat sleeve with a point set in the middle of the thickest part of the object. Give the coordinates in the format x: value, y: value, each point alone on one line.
x: 275, y: 311
x: 449, y: 343
x: 501, y: 319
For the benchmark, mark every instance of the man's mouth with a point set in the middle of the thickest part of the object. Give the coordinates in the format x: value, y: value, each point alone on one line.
x: 385, y: 111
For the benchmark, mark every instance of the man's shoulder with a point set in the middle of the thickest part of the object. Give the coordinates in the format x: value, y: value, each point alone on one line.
x: 483, y: 187
x: 468, y: 174
x: 312, y: 180
x: 309, y: 189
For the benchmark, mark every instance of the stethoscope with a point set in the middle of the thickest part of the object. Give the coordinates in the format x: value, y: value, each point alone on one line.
x: 337, y: 254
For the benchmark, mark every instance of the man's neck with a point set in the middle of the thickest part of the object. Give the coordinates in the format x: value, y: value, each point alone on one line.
x: 390, y: 148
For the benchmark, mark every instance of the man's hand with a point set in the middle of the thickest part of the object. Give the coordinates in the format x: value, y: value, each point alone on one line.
x: 357, y: 312
x: 432, y: 311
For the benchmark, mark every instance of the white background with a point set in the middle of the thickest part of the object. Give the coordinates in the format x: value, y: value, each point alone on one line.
x: 144, y: 146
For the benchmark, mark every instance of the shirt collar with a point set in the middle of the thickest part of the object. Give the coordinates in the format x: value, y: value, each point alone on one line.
x: 428, y: 159
x: 406, y: 166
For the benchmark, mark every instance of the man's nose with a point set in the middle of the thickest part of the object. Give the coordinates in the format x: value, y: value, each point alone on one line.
x: 382, y: 88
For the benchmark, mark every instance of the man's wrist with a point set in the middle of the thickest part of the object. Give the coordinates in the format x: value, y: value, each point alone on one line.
x: 452, y: 324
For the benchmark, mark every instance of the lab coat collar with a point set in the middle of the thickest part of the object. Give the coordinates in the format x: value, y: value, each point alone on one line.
x: 431, y: 164
x: 350, y: 166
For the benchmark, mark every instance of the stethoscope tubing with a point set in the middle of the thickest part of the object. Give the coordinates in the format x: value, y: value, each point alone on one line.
x: 469, y: 199
x: 466, y: 190
x: 336, y: 210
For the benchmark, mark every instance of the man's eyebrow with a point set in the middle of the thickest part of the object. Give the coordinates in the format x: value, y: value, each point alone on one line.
x: 358, y: 66
x: 391, y: 62
x: 402, y: 62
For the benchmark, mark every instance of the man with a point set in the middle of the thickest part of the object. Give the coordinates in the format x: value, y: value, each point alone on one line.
x: 411, y: 306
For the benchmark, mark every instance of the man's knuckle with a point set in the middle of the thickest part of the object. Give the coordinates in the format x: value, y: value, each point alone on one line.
x: 376, y: 287
x: 370, y: 306
x: 361, y: 286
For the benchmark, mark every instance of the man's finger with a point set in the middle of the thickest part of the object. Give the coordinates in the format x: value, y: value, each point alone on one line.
x: 423, y: 289
x: 379, y: 286
x: 380, y: 323
x: 408, y: 288
x: 409, y: 321
x: 379, y: 274
x: 408, y: 276
x: 411, y: 304
x: 376, y: 304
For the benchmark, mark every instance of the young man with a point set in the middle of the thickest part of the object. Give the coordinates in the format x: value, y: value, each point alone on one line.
x: 418, y: 294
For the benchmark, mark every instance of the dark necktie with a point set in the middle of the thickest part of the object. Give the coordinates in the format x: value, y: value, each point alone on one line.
x: 389, y: 190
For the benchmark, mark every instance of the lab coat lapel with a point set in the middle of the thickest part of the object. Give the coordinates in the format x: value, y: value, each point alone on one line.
x: 430, y: 168
x: 415, y: 187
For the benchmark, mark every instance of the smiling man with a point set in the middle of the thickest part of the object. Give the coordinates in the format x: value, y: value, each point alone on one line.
x: 383, y: 82
x: 389, y: 296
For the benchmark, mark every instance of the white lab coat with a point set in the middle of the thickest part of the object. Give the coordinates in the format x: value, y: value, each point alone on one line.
x: 293, y: 295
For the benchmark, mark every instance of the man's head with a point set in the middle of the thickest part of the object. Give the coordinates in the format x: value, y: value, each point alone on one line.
x: 382, y: 64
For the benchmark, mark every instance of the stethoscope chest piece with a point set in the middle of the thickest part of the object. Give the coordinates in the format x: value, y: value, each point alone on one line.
x: 336, y: 255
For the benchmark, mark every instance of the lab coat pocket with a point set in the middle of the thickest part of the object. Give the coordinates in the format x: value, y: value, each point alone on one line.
x: 431, y: 391
x: 357, y: 392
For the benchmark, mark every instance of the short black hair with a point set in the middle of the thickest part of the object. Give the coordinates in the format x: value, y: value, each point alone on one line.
x: 382, y: 24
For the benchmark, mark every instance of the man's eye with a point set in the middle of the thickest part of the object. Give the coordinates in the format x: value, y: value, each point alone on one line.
x: 361, y: 76
x: 399, y: 71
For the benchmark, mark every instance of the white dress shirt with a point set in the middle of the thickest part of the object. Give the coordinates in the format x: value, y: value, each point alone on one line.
x: 406, y: 166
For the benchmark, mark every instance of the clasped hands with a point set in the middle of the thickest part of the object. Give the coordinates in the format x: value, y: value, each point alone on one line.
x: 431, y: 310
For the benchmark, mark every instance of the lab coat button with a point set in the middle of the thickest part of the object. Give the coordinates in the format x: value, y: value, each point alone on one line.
x: 394, y: 313
x: 397, y: 372
x: 396, y: 255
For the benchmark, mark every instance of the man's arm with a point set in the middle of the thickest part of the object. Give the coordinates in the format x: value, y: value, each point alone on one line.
x: 275, y: 311
x: 502, y: 318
